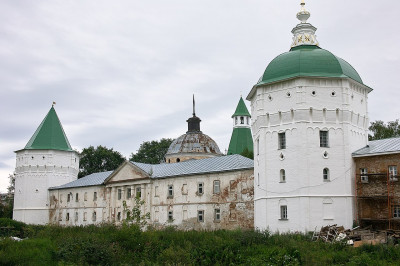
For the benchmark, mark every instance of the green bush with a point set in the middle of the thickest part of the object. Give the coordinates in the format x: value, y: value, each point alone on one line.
x: 128, y: 245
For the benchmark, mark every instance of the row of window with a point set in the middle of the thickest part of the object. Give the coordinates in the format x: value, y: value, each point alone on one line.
x: 85, y: 197
x: 138, y: 193
x: 392, y: 170
x: 199, y: 192
x: 200, y: 216
x: 325, y: 176
x: 323, y: 140
x: 241, y: 120
x: 67, y: 216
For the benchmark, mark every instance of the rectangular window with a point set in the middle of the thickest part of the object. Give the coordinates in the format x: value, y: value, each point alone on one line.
x: 67, y: 218
x: 119, y: 194
x: 119, y: 216
x: 69, y: 197
x: 396, y: 211
x: 76, y: 197
x: 232, y: 186
x: 138, y: 192
x: 94, y: 196
x: 393, y: 173
x: 217, y: 215
x: 60, y: 216
x: 216, y: 186
x: 94, y: 216
x: 76, y: 216
x: 282, y: 141
x: 200, y: 188
x: 200, y: 216
x: 324, y: 139
x: 284, y: 212
x: 170, y: 191
x: 85, y: 196
x: 258, y: 146
x: 156, y: 191
x: 129, y: 193
x: 170, y: 216
x: 85, y: 216
x: 364, y: 177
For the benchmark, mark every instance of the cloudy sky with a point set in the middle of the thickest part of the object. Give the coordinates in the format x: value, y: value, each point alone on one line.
x: 124, y: 71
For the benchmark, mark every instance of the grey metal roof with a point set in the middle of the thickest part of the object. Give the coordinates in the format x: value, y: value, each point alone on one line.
x: 94, y: 179
x: 379, y: 147
x: 193, y: 167
x: 194, y: 142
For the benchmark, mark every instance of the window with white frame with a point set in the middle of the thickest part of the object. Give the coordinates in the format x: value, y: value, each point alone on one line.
x: 324, y: 138
x: 84, y: 216
x: 284, y: 214
x: 325, y: 174
x: 281, y: 140
x: 363, y: 173
x: 67, y: 218
x: 216, y: 189
x: 396, y: 211
x: 170, y: 191
x: 85, y: 196
x: 156, y: 191
x: 129, y: 193
x: 94, y: 196
x: 217, y: 215
x: 76, y: 216
x: 200, y: 216
x: 283, y: 176
x: 242, y: 120
x: 94, y: 217
x: 77, y: 197
x: 393, y: 172
x: 200, y: 188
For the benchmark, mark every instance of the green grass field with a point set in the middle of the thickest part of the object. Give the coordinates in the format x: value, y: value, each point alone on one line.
x: 128, y: 245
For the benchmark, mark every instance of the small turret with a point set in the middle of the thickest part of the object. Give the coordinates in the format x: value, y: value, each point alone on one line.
x: 241, y: 136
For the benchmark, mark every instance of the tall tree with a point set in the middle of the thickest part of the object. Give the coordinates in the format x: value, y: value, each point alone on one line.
x: 98, y: 159
x: 380, y: 130
x: 7, y: 203
x: 152, y: 152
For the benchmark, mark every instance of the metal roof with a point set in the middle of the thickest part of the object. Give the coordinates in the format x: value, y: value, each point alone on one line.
x: 94, y: 179
x: 193, y: 167
x: 194, y: 142
x: 49, y: 135
x: 379, y: 147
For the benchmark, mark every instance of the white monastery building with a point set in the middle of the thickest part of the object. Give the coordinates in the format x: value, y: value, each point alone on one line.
x: 196, y: 188
x: 309, y: 113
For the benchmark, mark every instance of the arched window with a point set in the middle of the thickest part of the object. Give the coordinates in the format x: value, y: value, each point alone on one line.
x: 242, y: 120
x: 235, y: 120
x: 283, y: 176
x: 325, y: 174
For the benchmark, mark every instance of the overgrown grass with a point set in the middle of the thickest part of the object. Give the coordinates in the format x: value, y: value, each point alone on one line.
x: 128, y: 245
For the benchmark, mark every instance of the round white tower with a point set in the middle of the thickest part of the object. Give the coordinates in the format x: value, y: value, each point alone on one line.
x: 46, y: 161
x: 309, y: 114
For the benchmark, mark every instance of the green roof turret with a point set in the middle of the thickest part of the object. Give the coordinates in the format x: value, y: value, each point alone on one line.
x: 241, y: 109
x: 241, y: 138
x: 49, y: 135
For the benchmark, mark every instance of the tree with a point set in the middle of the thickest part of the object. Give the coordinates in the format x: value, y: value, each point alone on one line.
x: 100, y: 159
x: 135, y: 215
x: 7, y: 205
x: 247, y: 153
x: 152, y: 152
x: 380, y: 130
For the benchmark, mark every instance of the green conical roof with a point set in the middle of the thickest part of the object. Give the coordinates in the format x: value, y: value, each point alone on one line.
x: 241, y: 109
x: 49, y: 135
x: 241, y: 139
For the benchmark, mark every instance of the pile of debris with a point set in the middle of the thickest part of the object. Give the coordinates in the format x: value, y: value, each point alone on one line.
x: 356, y: 236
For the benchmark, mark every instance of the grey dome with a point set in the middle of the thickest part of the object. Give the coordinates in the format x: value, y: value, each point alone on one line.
x: 194, y: 142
